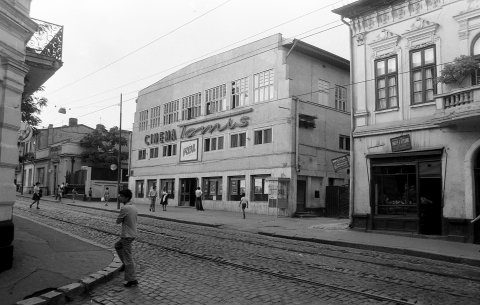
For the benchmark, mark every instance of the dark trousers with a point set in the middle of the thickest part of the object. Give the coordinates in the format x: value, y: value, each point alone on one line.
x: 198, y: 203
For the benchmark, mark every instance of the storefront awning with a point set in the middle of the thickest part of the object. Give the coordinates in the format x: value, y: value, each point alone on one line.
x: 410, y: 153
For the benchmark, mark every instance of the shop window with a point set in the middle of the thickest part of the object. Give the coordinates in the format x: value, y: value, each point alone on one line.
x: 212, y: 188
x: 263, y: 136
x: 238, y: 140
x: 142, y: 154
x: 259, y: 188
x: 422, y: 75
x: 236, y: 187
x: 395, y: 190
x: 169, y: 150
x: 139, y: 188
x: 150, y: 184
x: 386, y: 78
x: 168, y: 185
x: 153, y: 152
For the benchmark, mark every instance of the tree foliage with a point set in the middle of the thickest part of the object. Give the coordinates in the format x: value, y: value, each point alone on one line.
x: 101, y: 147
x: 458, y: 70
x: 31, y: 107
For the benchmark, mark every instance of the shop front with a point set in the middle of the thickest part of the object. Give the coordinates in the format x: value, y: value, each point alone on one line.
x: 406, y: 192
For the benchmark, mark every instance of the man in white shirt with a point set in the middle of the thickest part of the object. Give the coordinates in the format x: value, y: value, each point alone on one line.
x: 128, y: 219
x: 198, y: 199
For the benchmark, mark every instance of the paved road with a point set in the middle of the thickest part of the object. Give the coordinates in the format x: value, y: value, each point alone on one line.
x: 189, y: 264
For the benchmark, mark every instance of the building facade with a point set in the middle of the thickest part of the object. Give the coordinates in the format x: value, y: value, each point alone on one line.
x: 264, y: 120
x: 415, y: 161
x: 23, y: 70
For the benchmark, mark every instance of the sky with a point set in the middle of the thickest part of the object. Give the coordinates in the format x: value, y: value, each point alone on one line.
x: 114, y: 48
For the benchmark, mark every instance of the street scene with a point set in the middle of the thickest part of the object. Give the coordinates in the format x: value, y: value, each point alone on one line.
x: 214, y: 263
x: 240, y: 152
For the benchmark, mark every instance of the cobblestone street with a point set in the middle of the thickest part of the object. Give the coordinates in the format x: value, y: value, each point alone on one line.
x: 191, y: 264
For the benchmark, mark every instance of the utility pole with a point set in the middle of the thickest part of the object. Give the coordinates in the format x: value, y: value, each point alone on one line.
x: 119, y: 158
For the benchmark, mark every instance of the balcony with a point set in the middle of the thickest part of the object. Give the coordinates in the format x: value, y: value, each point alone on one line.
x: 458, y: 106
x: 43, y: 55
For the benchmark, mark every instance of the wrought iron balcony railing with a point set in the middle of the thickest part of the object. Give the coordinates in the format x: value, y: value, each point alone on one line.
x: 47, y: 40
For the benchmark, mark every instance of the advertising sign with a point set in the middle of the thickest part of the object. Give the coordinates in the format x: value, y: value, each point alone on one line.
x: 340, y: 163
x: 25, y: 132
x: 401, y: 143
x: 189, y: 150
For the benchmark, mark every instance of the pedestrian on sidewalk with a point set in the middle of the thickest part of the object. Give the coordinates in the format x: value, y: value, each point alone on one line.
x: 58, y: 195
x: 153, y: 197
x: 164, y: 200
x: 74, y: 194
x: 128, y: 218
x: 106, y: 196
x: 36, y: 195
x: 90, y: 194
x: 198, y: 199
x: 244, y: 204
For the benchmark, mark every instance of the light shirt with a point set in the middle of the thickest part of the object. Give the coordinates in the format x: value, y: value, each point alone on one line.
x: 128, y: 218
x: 36, y: 189
x: 198, y: 193
x: 153, y: 193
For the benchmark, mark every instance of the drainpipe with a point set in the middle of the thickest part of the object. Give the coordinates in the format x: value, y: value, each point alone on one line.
x: 352, y: 122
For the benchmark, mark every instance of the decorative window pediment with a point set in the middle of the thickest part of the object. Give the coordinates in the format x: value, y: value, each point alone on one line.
x: 385, y: 43
x: 468, y: 20
x: 421, y: 33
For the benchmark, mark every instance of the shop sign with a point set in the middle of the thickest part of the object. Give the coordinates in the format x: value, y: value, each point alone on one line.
x: 340, y: 163
x: 54, y: 153
x: 161, y: 137
x: 189, y: 150
x: 401, y: 143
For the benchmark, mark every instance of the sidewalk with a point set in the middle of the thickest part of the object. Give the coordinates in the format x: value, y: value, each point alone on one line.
x: 319, y: 229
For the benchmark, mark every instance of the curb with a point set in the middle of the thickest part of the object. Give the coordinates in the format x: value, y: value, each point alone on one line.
x: 65, y: 294
x: 422, y: 254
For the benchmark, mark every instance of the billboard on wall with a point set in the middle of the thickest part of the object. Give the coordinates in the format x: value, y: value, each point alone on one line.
x: 189, y: 150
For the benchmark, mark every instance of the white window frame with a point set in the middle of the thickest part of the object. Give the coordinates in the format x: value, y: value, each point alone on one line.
x: 169, y: 150
x: 208, y: 144
x: 155, y: 117
x: 170, y: 112
x: 143, y: 120
x: 238, y: 136
x: 216, y: 99
x: 263, y: 86
x: 340, y: 98
x: 262, y: 139
x: 240, y: 92
x: 323, y: 92
x: 142, y: 154
x: 191, y: 106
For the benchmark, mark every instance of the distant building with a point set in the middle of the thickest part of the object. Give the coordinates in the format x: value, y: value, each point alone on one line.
x: 265, y: 119
x: 30, y: 53
x: 56, y: 153
x: 416, y: 142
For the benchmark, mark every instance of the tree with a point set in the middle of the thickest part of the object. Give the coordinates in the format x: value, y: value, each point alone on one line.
x: 458, y: 70
x: 101, y: 147
x: 31, y: 107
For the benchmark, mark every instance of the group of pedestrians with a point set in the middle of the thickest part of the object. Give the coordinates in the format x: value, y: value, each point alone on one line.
x: 153, y: 194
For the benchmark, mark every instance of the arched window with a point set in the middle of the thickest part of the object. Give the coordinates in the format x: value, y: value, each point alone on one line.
x: 476, y: 54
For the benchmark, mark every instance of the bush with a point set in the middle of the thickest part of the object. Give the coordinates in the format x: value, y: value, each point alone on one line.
x: 456, y: 71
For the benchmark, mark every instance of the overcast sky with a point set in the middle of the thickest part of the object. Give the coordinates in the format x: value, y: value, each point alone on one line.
x: 113, y: 47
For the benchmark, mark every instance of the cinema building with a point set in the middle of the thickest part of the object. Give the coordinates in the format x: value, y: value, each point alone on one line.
x: 265, y: 119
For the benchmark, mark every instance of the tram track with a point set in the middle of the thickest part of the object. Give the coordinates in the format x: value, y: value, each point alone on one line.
x: 154, y: 230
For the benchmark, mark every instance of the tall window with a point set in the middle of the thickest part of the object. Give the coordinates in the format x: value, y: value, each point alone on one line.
x: 212, y: 144
x: 239, y: 92
x: 170, y: 112
x: 422, y: 67
x: 386, y: 76
x: 238, y: 139
x: 340, y: 98
x: 215, y: 99
x: 143, y: 120
x: 169, y: 150
x: 191, y: 106
x: 41, y: 175
x: 323, y: 92
x: 259, y: 189
x: 142, y: 154
x: 155, y: 117
x: 263, y: 136
x: 263, y: 86
x: 344, y: 142
x: 153, y: 152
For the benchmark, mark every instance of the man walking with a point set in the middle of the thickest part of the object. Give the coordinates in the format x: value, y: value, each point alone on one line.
x: 128, y: 219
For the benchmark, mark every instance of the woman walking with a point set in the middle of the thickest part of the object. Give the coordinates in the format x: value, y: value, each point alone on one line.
x: 164, y: 200
x: 36, y: 195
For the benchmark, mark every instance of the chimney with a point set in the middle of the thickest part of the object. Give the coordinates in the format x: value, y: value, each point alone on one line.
x: 72, y: 122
